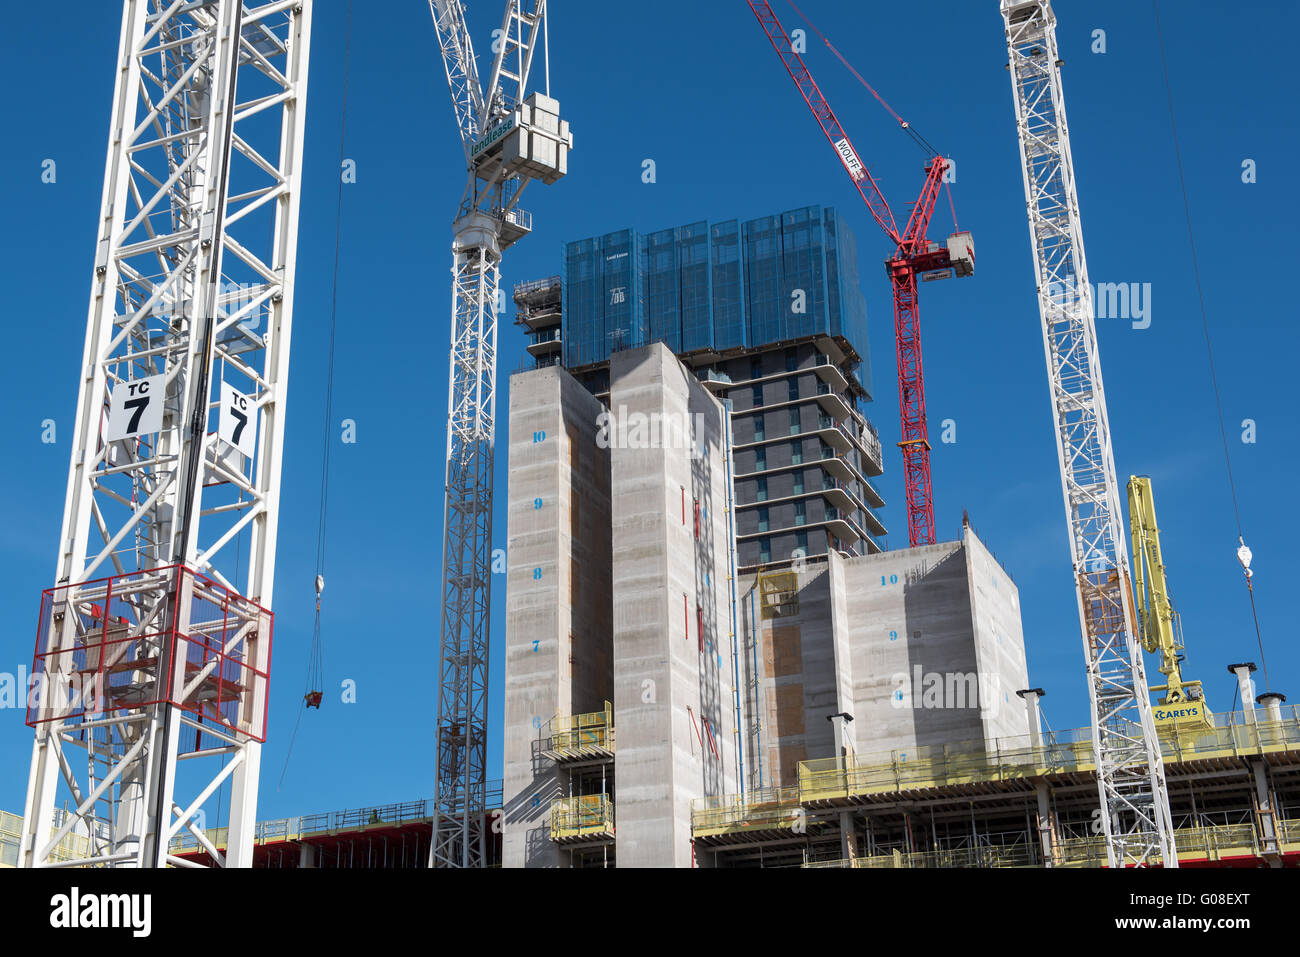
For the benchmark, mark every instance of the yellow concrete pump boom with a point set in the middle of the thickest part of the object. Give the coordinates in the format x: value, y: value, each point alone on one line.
x: 1156, y: 625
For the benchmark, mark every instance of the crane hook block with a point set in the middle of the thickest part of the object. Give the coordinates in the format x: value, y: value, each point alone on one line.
x: 320, y: 584
x: 1244, y: 555
x: 313, y: 699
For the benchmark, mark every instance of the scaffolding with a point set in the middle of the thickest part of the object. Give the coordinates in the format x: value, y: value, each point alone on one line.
x: 582, y: 747
x: 581, y: 736
x: 974, y: 793
x: 779, y: 594
x: 582, y: 818
x: 539, y: 315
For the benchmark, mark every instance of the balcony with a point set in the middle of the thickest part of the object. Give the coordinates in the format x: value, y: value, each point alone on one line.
x: 838, y: 522
x: 834, y: 403
x: 871, y: 495
x: 838, y: 465
x: 544, y: 343
x: 841, y: 443
x: 841, y: 495
x: 830, y: 373
x: 843, y: 527
x: 582, y: 820
x: 539, y: 318
x: 837, y: 437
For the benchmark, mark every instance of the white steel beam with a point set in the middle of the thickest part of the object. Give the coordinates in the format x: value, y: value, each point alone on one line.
x: 1134, y: 814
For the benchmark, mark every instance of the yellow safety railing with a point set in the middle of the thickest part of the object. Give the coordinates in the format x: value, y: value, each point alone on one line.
x: 219, y: 837
x: 578, y: 734
x: 938, y: 766
x: 590, y: 815
x: 73, y: 847
x: 965, y: 857
x: 1193, y: 843
x: 1212, y: 843
x: 1010, y: 758
x: 1215, y: 843
x: 970, y: 762
x: 768, y: 808
x: 11, y: 832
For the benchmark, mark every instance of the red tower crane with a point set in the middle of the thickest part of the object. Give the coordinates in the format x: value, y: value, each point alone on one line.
x: 914, y: 257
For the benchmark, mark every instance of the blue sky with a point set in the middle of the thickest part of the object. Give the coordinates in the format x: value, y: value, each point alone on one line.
x: 697, y: 88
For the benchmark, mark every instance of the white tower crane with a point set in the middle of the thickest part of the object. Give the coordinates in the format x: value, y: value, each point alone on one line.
x: 154, y: 644
x: 1130, y: 773
x: 510, y: 137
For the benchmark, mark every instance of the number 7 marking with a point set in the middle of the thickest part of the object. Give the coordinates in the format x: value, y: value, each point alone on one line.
x: 139, y: 405
x: 239, y: 429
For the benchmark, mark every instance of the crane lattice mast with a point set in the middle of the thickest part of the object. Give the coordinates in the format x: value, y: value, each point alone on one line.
x: 1130, y: 772
x: 151, y: 649
x: 510, y: 137
x: 914, y: 256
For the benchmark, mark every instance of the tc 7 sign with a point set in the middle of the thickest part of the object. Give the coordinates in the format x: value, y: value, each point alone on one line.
x: 237, y: 423
x: 136, y: 408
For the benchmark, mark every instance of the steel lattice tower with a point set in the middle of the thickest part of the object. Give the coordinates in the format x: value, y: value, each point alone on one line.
x: 1130, y: 773
x: 173, y: 488
x: 509, y: 139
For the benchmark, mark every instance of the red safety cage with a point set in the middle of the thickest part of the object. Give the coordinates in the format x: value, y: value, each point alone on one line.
x: 166, y: 635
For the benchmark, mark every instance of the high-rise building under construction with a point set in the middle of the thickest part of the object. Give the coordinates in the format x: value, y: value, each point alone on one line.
x: 768, y: 314
x: 697, y: 602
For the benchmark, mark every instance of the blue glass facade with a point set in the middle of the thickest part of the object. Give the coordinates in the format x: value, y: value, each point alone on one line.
x: 721, y: 286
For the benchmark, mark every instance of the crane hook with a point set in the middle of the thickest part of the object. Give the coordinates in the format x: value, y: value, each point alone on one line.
x: 1244, y: 556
